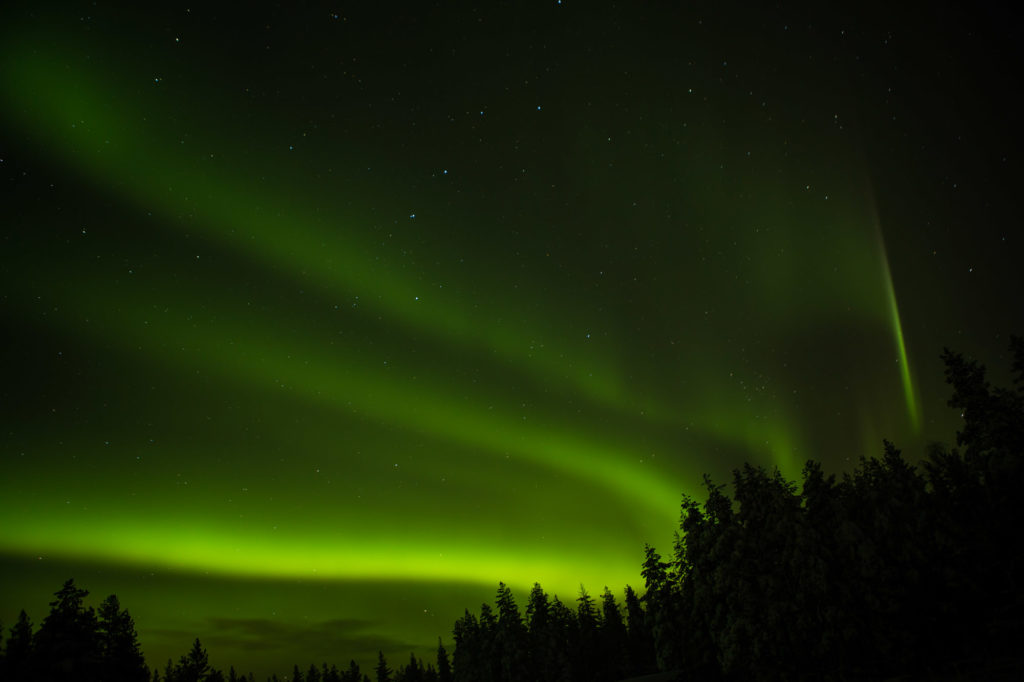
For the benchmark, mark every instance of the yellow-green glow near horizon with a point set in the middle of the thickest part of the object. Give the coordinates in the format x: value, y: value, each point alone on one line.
x: 308, y: 306
x: 108, y: 138
x: 227, y: 552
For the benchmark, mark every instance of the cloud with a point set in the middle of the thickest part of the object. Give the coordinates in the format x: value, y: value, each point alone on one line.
x: 350, y: 635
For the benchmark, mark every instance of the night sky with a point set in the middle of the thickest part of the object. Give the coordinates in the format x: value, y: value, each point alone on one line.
x: 319, y: 322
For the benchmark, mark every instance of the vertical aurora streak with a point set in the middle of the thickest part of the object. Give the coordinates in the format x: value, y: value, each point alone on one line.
x: 909, y: 393
x: 906, y: 378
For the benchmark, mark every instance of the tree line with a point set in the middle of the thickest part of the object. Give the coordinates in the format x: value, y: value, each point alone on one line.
x: 890, y: 570
x: 76, y: 643
x: 589, y: 641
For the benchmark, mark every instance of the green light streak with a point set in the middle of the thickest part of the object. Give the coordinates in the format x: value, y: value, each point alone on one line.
x: 909, y: 392
x: 339, y: 378
x: 906, y: 378
x: 70, y: 112
x: 73, y: 113
x: 83, y: 120
x: 195, y: 544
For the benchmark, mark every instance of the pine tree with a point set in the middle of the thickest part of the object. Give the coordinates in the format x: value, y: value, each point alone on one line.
x: 468, y: 654
x: 444, y: 667
x: 660, y: 612
x: 686, y: 611
x: 565, y: 637
x: 413, y: 671
x: 313, y: 674
x: 541, y: 643
x: 641, y: 643
x: 382, y: 669
x: 121, y: 658
x: 488, y: 626
x: 194, y: 665
x: 613, y: 637
x: 509, y: 637
x: 170, y: 672
x: 353, y: 674
x: 588, y: 651
x: 19, y: 649
x: 66, y: 647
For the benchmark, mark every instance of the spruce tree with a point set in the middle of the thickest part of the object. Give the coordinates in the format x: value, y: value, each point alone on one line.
x: 444, y: 667
x: 661, y: 611
x: 353, y: 674
x: 589, y: 646
x: 468, y: 653
x: 66, y: 647
x: 170, y: 672
x: 562, y: 667
x: 490, y: 661
x: 541, y: 641
x: 510, y: 637
x: 613, y: 637
x: 194, y: 665
x: 19, y: 649
x: 413, y: 670
x: 640, y: 643
x: 382, y: 669
x: 121, y: 658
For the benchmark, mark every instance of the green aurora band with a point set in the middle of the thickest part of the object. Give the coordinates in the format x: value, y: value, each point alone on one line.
x: 457, y: 432
x: 94, y: 128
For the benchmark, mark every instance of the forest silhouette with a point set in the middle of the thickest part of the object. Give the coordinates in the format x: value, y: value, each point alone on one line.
x: 893, y: 571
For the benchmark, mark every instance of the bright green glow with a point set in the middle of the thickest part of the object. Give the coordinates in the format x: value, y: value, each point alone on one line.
x: 231, y: 552
x: 236, y: 375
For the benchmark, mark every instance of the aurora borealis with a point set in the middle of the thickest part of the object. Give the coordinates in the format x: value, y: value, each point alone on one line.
x: 322, y: 321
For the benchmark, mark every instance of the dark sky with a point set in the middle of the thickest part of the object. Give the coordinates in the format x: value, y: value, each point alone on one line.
x: 321, y: 321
